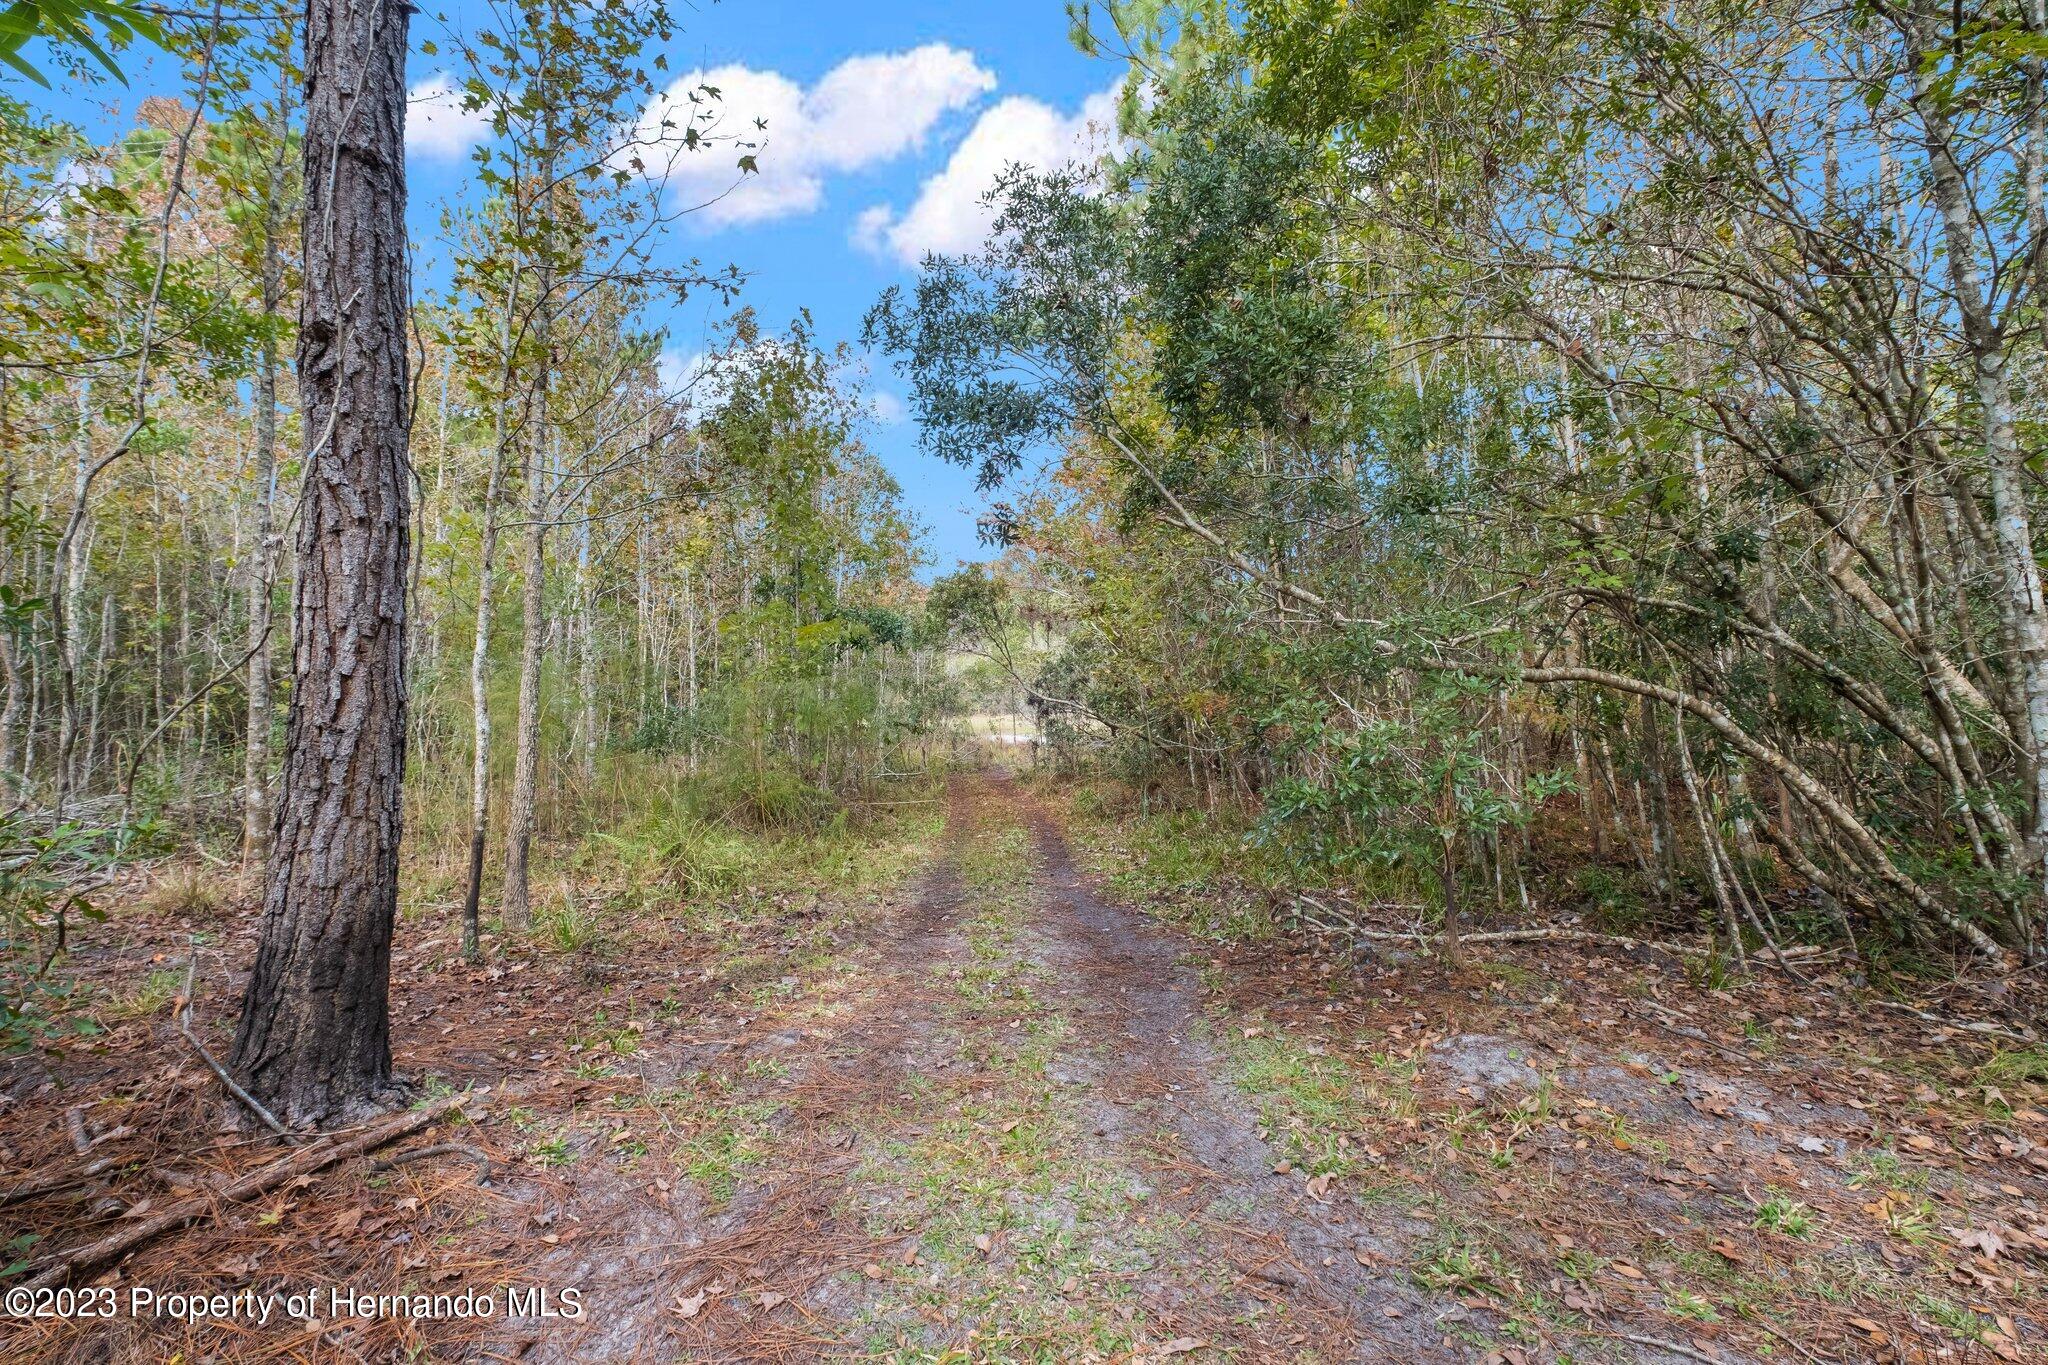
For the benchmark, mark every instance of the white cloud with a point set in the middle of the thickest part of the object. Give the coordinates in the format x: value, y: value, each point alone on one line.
x: 873, y: 108
x: 867, y: 110
x: 436, y: 125
x: 888, y: 408
x: 871, y: 228
x: 678, y: 370
x: 948, y: 215
x: 705, y: 379
x: 70, y: 179
x: 785, y: 184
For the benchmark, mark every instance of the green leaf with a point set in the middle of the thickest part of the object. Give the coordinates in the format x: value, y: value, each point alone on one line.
x: 8, y: 56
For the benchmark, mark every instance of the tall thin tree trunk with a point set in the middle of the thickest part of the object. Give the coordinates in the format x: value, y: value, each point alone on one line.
x: 10, y: 667
x: 2034, y: 159
x: 440, y: 531
x: 262, y: 550
x: 1447, y: 872
x: 519, y: 823
x: 2023, y: 599
x: 480, y: 640
x: 315, y: 1036
x: 480, y: 706
x: 68, y: 597
x: 690, y: 659
x: 586, y: 655
x: 97, y: 693
x: 38, y: 680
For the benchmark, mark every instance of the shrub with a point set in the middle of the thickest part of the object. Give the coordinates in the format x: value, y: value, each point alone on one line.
x: 185, y: 890
x: 703, y: 859
x: 567, y: 925
x: 767, y: 797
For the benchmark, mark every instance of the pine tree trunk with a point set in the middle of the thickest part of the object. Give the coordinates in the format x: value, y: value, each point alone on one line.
x: 315, y: 1036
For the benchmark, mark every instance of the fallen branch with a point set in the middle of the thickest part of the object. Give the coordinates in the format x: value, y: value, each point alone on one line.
x: 1676, y: 1025
x: 2027, y: 1035
x: 60, y: 1180
x: 1810, y: 1355
x: 1351, y: 928
x: 234, y: 1088
x: 316, y: 1157
x: 476, y: 1154
x: 1542, y: 936
x: 85, y: 1145
x: 1673, y: 1347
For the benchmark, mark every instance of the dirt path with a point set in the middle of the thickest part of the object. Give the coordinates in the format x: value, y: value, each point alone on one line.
x: 930, y: 1097
x: 1016, y: 1121
x: 998, y: 1126
x: 1163, y: 1105
x: 940, y: 1100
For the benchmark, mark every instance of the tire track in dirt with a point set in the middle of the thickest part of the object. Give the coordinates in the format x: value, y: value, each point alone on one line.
x: 1234, y: 1256
x: 782, y: 1240
x: 1164, y: 1103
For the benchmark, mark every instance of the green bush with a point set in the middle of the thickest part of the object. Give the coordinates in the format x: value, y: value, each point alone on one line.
x: 768, y: 797
x: 704, y: 859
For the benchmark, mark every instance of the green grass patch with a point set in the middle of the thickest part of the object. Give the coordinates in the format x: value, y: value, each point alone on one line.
x: 155, y: 991
x: 1783, y: 1215
x: 1307, y: 1104
x: 724, y: 1140
x: 2016, y: 1066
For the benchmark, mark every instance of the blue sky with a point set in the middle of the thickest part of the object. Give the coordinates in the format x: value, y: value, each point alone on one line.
x: 886, y: 121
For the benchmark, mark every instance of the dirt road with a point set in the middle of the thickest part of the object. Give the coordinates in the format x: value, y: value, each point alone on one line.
x: 998, y: 1127
x: 954, y: 1104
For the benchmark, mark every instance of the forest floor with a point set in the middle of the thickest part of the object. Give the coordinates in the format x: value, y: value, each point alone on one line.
x: 963, y: 1106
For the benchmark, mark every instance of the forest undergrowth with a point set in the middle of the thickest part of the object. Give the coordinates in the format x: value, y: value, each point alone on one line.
x: 893, y: 1088
x: 1512, y: 559
x: 659, y: 896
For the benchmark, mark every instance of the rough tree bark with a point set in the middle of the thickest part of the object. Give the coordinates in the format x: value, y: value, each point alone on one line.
x: 314, y: 1043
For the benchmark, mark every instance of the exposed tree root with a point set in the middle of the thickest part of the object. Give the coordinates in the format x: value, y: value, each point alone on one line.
x: 462, y: 1149
x: 58, y: 1180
